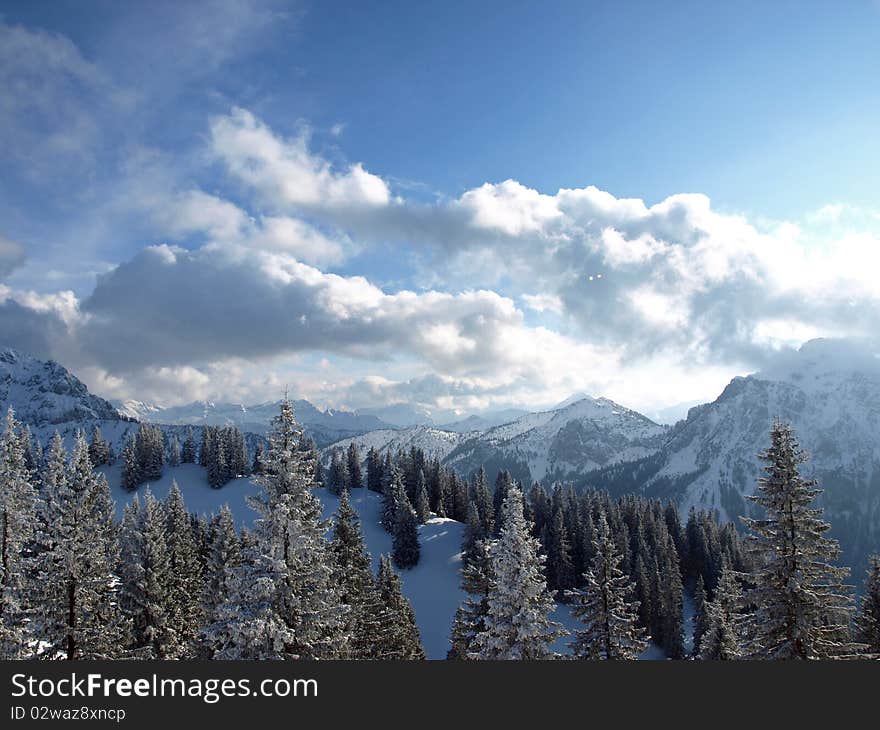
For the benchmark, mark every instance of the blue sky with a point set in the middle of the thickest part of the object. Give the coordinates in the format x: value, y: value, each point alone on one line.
x: 403, y: 190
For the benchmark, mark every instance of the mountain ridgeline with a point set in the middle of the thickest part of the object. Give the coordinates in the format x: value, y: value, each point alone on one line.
x: 829, y: 391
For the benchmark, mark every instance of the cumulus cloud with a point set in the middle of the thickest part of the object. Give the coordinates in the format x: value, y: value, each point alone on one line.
x: 286, y: 173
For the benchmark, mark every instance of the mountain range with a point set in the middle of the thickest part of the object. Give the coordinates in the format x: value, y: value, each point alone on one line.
x: 829, y: 390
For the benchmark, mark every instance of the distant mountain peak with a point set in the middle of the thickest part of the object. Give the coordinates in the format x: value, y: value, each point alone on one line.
x: 42, y: 392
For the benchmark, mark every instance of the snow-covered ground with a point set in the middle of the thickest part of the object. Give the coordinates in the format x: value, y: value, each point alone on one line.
x: 432, y: 586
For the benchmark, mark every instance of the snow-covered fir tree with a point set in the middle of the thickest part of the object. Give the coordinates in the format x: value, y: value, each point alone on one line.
x: 223, y: 557
x: 365, y: 620
x: 99, y: 449
x: 283, y: 601
x: 173, y: 452
x: 518, y: 624
x: 701, y: 614
x: 422, y: 505
x: 722, y: 638
x: 188, y: 451
x: 405, y: 548
x: 353, y: 464
x: 867, y: 619
x: 17, y: 511
x: 402, y: 640
x: 802, y: 608
x: 338, y: 473
x: 470, y: 617
x: 394, y: 496
x: 185, y: 578
x: 145, y: 573
x: 78, y: 616
x: 131, y: 467
x: 374, y: 470
x: 606, y: 608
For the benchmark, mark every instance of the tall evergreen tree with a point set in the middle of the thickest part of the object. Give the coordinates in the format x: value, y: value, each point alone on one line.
x: 701, y: 614
x: 188, y: 452
x: 403, y: 641
x: 78, y: 616
x: 17, y: 510
x: 283, y: 601
x: 374, y: 470
x: 223, y: 556
x: 357, y: 587
x: 405, y: 549
x: 422, y: 504
x: 185, y: 577
x: 353, y: 462
x: 470, y: 617
x: 145, y: 571
x: 518, y: 624
x: 605, y: 606
x: 722, y: 637
x: 802, y: 607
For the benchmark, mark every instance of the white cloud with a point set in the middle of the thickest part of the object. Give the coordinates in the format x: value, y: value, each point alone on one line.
x: 286, y: 173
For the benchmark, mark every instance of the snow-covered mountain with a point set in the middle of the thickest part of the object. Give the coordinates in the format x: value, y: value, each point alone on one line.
x: 557, y: 444
x: 43, y: 393
x: 434, y: 442
x: 571, y: 440
x: 325, y: 426
x: 830, y: 392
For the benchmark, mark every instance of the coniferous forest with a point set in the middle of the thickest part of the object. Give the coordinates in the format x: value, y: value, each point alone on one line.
x: 162, y: 583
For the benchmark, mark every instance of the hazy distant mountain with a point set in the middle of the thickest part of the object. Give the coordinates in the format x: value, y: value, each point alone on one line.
x: 324, y: 426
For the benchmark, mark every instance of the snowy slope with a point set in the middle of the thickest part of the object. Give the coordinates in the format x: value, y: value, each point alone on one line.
x: 434, y: 441
x: 432, y: 586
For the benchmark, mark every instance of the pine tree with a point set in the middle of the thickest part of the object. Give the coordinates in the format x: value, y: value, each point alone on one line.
x: 560, y: 568
x: 867, y: 619
x: 721, y: 639
x: 174, y: 452
x: 207, y: 445
x: 395, y: 495
x: 283, y: 601
x: 185, y: 578
x: 365, y: 620
x: 78, y: 615
x: 701, y: 614
x: 217, y: 466
x: 17, y: 510
x: 131, y: 468
x: 188, y: 452
x: 610, y: 616
x: 338, y: 474
x: 353, y: 462
x: 422, y: 505
x: 223, y: 556
x: 517, y: 624
x: 470, y: 617
x: 99, y: 449
x: 374, y: 470
x: 403, y: 641
x: 803, y: 608
x: 405, y: 549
